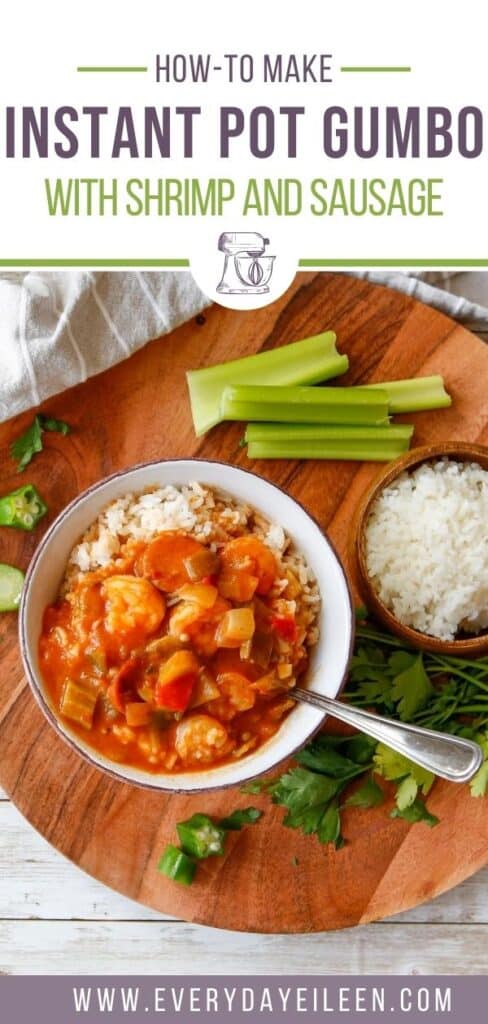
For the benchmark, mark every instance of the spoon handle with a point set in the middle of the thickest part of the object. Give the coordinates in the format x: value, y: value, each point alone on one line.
x: 451, y: 757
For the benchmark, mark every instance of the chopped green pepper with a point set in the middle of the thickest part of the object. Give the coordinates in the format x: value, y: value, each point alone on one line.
x: 22, y: 508
x: 11, y: 583
x: 175, y: 864
x: 200, y: 837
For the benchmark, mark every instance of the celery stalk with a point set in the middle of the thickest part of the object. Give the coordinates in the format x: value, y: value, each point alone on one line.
x: 415, y: 395
x: 304, y: 405
x: 357, y: 451
x: 394, y: 432
x: 303, y: 362
x: 365, y: 444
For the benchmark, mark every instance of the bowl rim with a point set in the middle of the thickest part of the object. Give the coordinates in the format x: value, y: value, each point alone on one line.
x: 463, y: 451
x: 37, y: 690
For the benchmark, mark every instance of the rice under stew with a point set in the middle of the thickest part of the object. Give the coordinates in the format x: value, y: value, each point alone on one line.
x: 183, y: 620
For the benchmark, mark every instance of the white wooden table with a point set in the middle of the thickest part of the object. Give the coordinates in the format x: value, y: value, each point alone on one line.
x: 54, y: 919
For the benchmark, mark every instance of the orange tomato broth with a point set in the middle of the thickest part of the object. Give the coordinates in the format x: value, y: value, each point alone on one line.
x: 132, y: 644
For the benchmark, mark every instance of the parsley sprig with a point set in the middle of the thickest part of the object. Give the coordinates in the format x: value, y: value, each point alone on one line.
x: 315, y: 792
x: 436, y: 691
x: 29, y: 443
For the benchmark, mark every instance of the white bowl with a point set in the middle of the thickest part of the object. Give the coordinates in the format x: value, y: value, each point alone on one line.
x: 330, y: 658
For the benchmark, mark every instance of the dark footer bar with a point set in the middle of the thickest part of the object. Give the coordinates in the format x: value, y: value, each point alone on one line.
x: 242, y: 1000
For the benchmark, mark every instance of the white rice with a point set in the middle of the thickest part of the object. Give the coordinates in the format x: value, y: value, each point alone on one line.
x: 427, y: 548
x: 209, y: 515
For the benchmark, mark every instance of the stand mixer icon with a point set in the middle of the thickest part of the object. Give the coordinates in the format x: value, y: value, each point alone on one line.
x: 247, y: 270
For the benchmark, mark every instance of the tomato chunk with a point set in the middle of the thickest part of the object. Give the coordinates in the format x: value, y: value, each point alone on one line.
x: 163, y: 561
x: 175, y: 696
x: 285, y: 626
x: 176, y: 680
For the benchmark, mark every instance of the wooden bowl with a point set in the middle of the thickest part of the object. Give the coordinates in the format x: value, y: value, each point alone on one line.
x: 469, y: 646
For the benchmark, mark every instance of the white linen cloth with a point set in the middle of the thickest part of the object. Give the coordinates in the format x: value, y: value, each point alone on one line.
x: 58, y: 328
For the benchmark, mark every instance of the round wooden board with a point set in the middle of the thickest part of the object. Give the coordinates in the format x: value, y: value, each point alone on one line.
x: 138, y: 411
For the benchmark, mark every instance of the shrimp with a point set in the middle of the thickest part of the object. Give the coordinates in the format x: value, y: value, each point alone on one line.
x: 200, y: 739
x: 249, y: 557
x: 183, y: 617
x: 132, y: 604
x: 238, y: 690
x: 236, y: 695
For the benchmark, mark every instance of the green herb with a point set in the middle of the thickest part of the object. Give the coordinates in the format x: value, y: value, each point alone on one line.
x: 329, y: 829
x: 303, y: 362
x: 29, y: 443
x: 255, y: 786
x: 360, y: 748
x: 294, y: 861
x: 479, y: 784
x: 417, y: 811
x: 175, y: 864
x: 438, y: 691
x: 311, y: 792
x: 444, y: 692
x: 353, y: 406
x: 456, y: 687
x: 22, y: 509
x: 54, y: 425
x: 26, y: 446
x: 239, y: 818
x: 11, y: 583
x: 322, y: 757
x: 396, y: 768
x: 412, y: 687
x: 307, y: 796
x: 415, y: 395
x: 368, y: 794
x: 409, y: 777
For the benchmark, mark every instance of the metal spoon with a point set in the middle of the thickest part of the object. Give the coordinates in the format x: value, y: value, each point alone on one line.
x: 451, y: 757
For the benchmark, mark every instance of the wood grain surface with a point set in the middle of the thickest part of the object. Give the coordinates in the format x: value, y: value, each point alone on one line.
x: 139, y: 411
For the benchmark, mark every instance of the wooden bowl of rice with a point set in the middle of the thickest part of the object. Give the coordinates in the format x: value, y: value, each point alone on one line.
x: 416, y: 564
